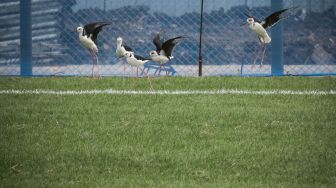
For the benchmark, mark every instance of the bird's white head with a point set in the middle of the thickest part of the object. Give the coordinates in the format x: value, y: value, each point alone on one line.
x: 79, y: 29
x: 119, y: 40
x: 153, y: 53
x: 128, y: 54
x: 250, y: 20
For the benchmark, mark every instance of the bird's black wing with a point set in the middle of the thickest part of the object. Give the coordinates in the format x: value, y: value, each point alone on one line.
x: 157, y: 42
x: 273, y: 18
x: 141, y: 58
x: 169, y: 45
x: 127, y: 48
x: 92, y: 30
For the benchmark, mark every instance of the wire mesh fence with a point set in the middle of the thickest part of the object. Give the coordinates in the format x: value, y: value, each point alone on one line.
x: 309, y: 36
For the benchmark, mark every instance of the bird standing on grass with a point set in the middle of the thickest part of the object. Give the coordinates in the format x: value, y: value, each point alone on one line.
x: 88, y: 37
x: 260, y: 27
x: 136, y: 61
x: 164, y: 50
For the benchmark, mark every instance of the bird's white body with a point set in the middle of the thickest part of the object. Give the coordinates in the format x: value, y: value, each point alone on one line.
x: 120, y: 51
x: 159, y: 58
x: 87, y: 42
x: 260, y: 31
x: 133, y: 61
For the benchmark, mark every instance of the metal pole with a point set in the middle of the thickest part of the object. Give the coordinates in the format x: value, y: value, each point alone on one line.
x: 200, y: 58
x: 104, y: 5
x: 309, y: 6
x: 26, y: 37
x: 277, y: 41
x: 322, y: 5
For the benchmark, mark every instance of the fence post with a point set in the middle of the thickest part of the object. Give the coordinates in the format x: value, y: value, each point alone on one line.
x: 26, y: 37
x: 200, y: 58
x: 277, y: 41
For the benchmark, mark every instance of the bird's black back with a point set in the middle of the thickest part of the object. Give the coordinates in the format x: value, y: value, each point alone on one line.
x: 92, y: 30
x: 141, y: 58
x: 127, y: 48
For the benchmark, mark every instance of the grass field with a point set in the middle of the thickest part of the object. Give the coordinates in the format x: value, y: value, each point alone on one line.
x: 229, y: 140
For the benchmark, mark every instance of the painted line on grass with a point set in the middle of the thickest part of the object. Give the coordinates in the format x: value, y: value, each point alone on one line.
x: 168, y: 92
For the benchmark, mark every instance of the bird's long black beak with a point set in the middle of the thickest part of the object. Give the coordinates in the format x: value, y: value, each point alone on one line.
x: 247, y: 14
x: 241, y: 25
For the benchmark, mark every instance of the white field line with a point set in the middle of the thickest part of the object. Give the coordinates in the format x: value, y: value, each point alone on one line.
x: 168, y: 92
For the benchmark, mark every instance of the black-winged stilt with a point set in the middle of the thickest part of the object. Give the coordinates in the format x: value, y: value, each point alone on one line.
x: 164, y: 50
x: 88, y: 37
x: 137, y: 61
x: 122, y: 49
x: 260, y: 27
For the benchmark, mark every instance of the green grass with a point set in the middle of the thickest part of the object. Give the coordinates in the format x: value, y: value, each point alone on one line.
x: 168, y: 140
x: 206, y: 83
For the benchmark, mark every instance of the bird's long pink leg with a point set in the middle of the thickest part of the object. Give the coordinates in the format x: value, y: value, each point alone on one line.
x: 257, y: 55
x: 137, y: 73
x: 164, y: 67
x: 132, y: 74
x: 263, y: 55
x: 93, y: 60
x: 160, y: 70
x: 147, y: 71
x: 96, y: 57
x: 150, y: 83
x: 132, y: 70
x: 124, y: 66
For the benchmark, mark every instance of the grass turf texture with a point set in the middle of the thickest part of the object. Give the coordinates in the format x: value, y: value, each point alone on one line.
x: 168, y: 140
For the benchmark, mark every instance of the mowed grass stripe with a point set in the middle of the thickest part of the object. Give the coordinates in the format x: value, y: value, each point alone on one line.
x: 168, y: 92
x: 171, y: 83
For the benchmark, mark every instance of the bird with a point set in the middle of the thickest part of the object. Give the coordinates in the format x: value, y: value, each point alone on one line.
x: 137, y: 61
x: 260, y: 28
x: 164, y: 49
x: 88, y: 35
x: 122, y: 49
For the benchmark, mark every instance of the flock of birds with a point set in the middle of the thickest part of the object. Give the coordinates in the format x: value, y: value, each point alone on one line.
x: 88, y: 37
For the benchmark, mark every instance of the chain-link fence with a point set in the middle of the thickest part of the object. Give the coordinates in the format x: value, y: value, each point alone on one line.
x: 309, y: 36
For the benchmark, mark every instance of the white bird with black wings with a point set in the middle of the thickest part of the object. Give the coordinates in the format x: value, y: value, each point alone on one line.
x: 260, y: 27
x: 122, y: 49
x: 88, y: 37
x: 137, y: 61
x: 164, y: 49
